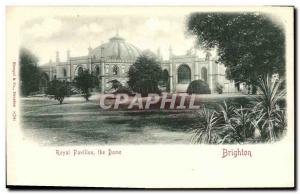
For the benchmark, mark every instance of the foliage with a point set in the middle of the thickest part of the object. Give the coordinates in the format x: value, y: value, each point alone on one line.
x: 198, y: 87
x: 268, y: 103
x: 123, y: 90
x: 205, y: 131
x: 85, y: 82
x: 249, y: 44
x: 144, y: 75
x: 263, y: 121
x: 228, y: 134
x: 29, y: 72
x: 219, y: 88
x: 58, y: 90
x: 115, y: 84
x: 241, y: 122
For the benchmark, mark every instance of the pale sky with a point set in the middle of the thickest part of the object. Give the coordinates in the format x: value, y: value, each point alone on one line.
x: 45, y: 34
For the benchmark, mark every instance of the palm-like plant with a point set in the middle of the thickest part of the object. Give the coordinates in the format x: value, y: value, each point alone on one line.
x: 268, y: 102
x: 263, y: 121
x: 241, y: 121
x: 227, y: 132
x: 205, y: 132
x: 280, y: 123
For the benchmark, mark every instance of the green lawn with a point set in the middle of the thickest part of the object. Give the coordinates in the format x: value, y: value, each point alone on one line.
x: 77, y: 122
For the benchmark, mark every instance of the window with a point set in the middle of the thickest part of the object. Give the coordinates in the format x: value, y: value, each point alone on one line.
x: 65, y: 72
x: 97, y: 70
x: 115, y: 70
x: 80, y: 70
x: 123, y: 69
x: 204, y: 74
x: 184, y: 74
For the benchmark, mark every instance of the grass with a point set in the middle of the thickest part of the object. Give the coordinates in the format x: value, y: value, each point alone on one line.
x: 77, y: 122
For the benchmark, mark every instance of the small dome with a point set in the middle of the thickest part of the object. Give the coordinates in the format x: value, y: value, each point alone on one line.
x: 118, y: 49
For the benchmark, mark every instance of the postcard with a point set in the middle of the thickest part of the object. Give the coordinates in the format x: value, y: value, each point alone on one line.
x: 150, y: 97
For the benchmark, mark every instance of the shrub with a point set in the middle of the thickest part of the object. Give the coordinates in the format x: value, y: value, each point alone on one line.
x: 123, y: 90
x: 219, y: 88
x: 115, y: 84
x: 206, y: 131
x: 198, y: 87
x: 264, y: 121
x: 268, y: 104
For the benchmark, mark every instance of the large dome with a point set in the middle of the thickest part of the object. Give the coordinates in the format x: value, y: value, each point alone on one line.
x: 117, y: 49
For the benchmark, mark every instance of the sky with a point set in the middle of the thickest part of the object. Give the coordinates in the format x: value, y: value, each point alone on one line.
x: 46, y: 34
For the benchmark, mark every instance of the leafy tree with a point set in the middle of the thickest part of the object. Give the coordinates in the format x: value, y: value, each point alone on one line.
x: 198, y: 87
x: 249, y: 44
x: 29, y: 72
x: 85, y: 82
x: 144, y: 75
x: 58, y: 90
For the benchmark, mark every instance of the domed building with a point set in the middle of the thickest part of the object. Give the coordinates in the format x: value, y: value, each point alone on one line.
x: 112, y: 60
x: 116, y: 49
x: 109, y: 61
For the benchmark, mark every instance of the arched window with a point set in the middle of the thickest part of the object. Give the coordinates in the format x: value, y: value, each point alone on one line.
x: 184, y: 74
x: 65, y: 72
x: 166, y: 80
x: 115, y: 70
x: 165, y: 76
x: 204, y: 74
x: 80, y: 70
x: 97, y: 70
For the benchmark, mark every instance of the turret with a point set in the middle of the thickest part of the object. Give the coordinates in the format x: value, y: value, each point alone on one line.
x: 57, y: 57
x: 68, y: 55
x: 170, y: 52
x: 102, y: 54
x: 207, y: 56
x: 90, y: 50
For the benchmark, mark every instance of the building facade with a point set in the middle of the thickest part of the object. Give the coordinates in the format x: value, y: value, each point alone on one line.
x: 112, y: 60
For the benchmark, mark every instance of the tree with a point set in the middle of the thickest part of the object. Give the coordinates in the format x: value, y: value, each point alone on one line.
x: 249, y: 44
x: 58, y: 90
x: 29, y: 72
x: 85, y: 82
x: 144, y: 75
